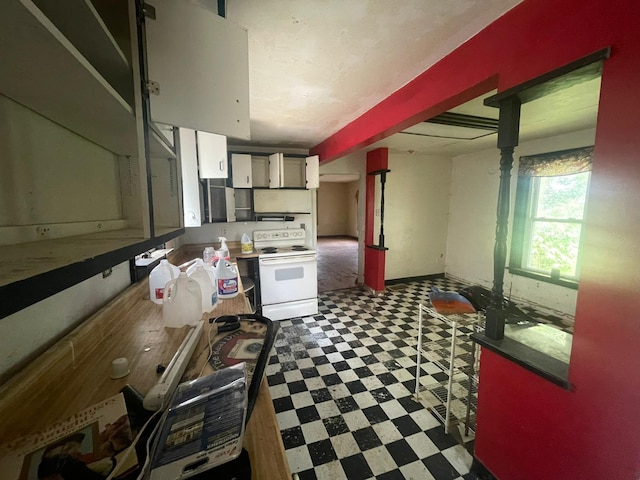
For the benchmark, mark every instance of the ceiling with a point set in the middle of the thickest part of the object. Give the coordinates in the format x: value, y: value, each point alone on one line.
x: 315, y: 66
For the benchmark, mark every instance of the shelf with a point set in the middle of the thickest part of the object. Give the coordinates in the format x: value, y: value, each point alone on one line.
x: 444, y: 341
x: 32, y: 271
x: 436, y: 397
x: 81, y: 24
x: 438, y: 353
x: 51, y: 77
x: 159, y: 147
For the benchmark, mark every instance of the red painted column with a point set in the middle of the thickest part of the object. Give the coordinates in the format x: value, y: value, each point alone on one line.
x: 374, y: 260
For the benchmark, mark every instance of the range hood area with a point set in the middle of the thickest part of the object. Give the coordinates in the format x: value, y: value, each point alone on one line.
x: 274, y: 217
x: 281, y: 205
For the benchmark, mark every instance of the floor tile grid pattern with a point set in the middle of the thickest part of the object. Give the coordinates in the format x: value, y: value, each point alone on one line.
x: 342, y: 385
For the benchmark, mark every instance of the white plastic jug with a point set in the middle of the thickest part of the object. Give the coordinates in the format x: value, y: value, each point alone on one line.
x: 227, y: 278
x: 246, y: 244
x: 158, y: 279
x: 206, y: 278
x: 182, y: 302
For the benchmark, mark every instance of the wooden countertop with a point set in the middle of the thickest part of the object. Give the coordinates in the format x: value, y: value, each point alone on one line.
x: 75, y: 373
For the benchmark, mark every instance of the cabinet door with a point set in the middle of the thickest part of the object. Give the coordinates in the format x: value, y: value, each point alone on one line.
x: 276, y: 167
x: 230, y: 200
x: 190, y: 182
x: 313, y: 172
x: 241, y: 170
x: 212, y: 155
x: 200, y: 64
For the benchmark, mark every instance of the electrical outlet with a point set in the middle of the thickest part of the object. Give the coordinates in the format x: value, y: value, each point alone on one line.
x: 42, y: 231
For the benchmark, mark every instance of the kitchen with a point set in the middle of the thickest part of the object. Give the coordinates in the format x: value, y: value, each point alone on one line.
x: 605, y: 269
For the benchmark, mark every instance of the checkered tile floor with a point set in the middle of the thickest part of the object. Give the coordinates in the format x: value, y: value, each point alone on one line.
x: 342, y: 385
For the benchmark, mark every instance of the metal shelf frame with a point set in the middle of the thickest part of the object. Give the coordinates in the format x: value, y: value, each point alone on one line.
x: 455, y: 406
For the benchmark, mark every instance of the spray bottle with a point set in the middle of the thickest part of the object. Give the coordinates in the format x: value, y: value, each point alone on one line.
x: 224, y: 250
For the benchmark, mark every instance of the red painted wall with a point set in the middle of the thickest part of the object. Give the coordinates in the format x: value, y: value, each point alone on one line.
x: 528, y: 428
x: 374, y: 260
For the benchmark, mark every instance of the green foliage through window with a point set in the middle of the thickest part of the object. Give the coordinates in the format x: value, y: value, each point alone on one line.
x: 549, y: 218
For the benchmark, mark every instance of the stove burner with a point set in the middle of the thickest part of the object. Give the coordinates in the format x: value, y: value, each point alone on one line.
x: 299, y: 248
x: 269, y: 250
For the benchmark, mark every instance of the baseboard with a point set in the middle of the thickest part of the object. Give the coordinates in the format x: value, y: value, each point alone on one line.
x: 351, y: 237
x: 480, y: 471
x: 420, y: 278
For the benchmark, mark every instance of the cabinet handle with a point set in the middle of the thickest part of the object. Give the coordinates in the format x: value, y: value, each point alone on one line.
x: 221, y: 166
x: 247, y: 179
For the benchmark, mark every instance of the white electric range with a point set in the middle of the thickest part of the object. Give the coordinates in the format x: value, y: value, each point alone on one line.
x: 288, y: 273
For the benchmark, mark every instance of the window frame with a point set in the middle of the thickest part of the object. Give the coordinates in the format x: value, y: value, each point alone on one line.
x: 520, y: 238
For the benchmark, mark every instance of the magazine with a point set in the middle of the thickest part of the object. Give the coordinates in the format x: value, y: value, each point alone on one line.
x: 91, y: 444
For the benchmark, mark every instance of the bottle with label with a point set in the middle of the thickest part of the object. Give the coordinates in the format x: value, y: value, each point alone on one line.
x: 227, y: 278
x: 159, y: 277
x: 246, y: 244
x: 206, y: 278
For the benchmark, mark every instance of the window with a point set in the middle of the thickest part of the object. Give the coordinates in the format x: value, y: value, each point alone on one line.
x: 549, y: 215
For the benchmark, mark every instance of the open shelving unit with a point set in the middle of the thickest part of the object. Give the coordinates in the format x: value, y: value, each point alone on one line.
x: 440, y: 340
x: 62, y: 64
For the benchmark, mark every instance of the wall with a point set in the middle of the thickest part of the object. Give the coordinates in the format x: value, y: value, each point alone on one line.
x: 209, y: 233
x: 416, y: 214
x: 334, y: 207
x: 528, y: 428
x: 31, y: 330
x: 39, y: 159
x: 353, y: 201
x: 474, y: 193
x: 233, y: 231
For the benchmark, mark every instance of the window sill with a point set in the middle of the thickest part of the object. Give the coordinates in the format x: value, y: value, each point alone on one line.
x: 563, y: 282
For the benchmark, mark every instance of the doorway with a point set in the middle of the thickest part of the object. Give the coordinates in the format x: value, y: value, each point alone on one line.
x: 338, y: 232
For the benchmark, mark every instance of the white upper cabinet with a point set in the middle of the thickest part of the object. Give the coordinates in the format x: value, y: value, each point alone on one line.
x: 241, y: 170
x: 199, y: 63
x: 212, y: 155
x: 312, y: 172
x: 276, y: 170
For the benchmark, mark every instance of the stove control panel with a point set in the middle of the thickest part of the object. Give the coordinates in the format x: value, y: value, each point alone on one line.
x: 279, y: 235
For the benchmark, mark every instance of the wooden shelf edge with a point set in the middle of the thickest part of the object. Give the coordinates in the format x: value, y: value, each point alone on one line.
x: 23, y: 293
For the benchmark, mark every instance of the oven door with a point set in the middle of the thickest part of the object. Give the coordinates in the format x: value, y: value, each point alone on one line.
x: 288, y: 279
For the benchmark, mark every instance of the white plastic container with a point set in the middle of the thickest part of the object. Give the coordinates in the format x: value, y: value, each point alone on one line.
x: 246, y: 244
x: 158, y: 279
x: 182, y: 302
x: 208, y: 255
x: 227, y: 278
x: 206, y: 278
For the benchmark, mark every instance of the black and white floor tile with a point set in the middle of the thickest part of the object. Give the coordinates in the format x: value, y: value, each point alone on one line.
x: 342, y: 384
